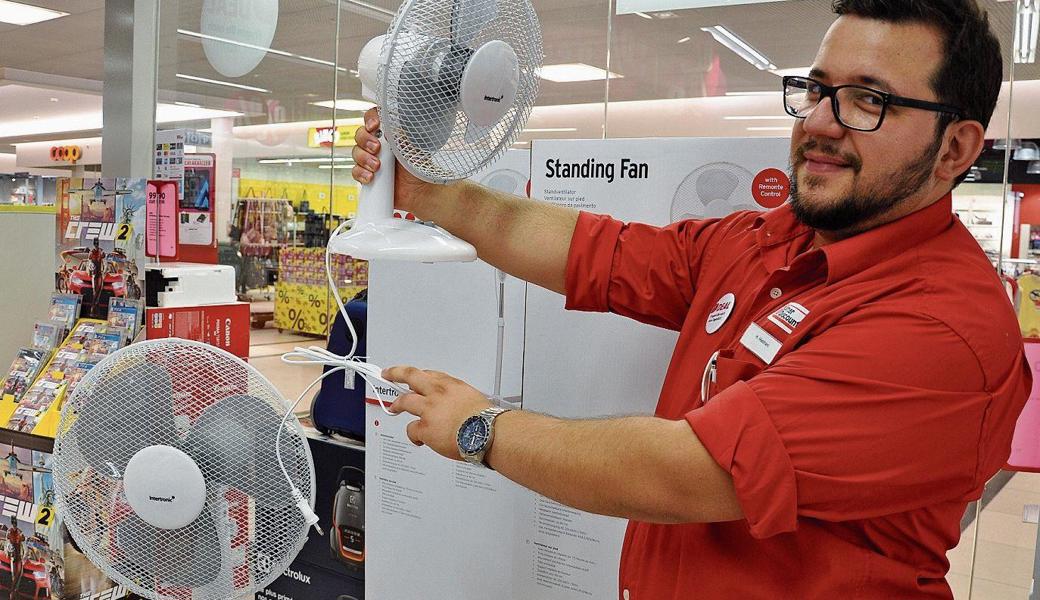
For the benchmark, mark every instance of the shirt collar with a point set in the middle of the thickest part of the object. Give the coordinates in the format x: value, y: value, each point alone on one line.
x: 891, y: 239
x: 780, y: 226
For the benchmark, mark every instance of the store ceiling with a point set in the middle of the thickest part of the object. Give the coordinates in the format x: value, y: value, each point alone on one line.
x: 645, y: 52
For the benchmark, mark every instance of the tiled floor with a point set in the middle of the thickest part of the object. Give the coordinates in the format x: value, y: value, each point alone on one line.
x: 1006, y: 546
x: 265, y: 353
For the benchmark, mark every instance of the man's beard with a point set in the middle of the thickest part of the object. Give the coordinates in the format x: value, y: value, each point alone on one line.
x: 849, y: 214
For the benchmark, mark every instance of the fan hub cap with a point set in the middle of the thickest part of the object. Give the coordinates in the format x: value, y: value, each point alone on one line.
x: 490, y: 83
x: 165, y: 487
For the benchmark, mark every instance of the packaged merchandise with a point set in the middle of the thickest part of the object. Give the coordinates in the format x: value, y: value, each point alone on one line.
x: 24, y: 370
x: 47, y: 335
x: 126, y: 313
x: 64, y: 309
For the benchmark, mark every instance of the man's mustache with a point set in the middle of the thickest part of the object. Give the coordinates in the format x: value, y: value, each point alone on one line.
x: 849, y: 159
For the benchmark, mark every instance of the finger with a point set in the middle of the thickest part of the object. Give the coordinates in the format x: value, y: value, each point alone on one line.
x: 414, y: 432
x: 372, y: 119
x: 361, y: 174
x: 363, y: 140
x: 420, y: 381
x: 410, y: 403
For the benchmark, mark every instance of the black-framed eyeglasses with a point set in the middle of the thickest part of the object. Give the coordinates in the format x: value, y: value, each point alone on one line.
x: 856, y: 107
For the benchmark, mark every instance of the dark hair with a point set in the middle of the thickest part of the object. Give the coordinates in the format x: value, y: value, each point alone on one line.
x: 972, y: 69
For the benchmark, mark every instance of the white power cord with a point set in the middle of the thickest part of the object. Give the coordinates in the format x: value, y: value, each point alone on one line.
x: 315, y: 355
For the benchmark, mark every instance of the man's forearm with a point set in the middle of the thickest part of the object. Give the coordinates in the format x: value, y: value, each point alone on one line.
x: 640, y: 468
x: 526, y: 239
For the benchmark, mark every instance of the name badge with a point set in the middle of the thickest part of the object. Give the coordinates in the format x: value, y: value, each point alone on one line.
x: 761, y: 343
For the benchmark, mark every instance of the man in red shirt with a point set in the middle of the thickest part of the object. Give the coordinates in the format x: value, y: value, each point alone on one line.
x: 848, y: 372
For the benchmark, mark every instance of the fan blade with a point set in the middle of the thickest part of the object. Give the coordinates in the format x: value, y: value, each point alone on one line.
x: 128, y: 410
x: 427, y: 106
x: 188, y: 557
x: 469, y: 18
x: 233, y: 442
x: 475, y: 133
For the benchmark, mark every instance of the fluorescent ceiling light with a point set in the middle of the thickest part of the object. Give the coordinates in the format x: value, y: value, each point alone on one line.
x: 625, y: 7
x: 758, y: 118
x: 741, y: 48
x: 346, y: 104
x: 368, y: 9
x: 798, y: 71
x: 571, y: 72
x: 172, y: 113
x: 204, y: 36
x: 286, y: 161
x: 684, y: 40
x: 756, y: 93
x: 91, y: 120
x: 188, y: 104
x: 644, y: 15
x: 551, y: 130
x: 769, y: 129
x: 224, y: 83
x: 17, y: 13
x: 335, y: 166
x: 1027, y: 26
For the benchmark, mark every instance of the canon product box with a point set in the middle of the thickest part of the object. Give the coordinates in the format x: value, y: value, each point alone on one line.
x: 332, y: 565
x: 224, y: 326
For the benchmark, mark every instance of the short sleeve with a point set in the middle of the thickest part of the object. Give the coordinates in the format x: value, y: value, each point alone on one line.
x: 857, y: 423
x: 640, y: 271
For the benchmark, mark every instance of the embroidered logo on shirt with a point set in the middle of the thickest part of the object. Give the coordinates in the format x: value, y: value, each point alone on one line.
x: 789, y: 317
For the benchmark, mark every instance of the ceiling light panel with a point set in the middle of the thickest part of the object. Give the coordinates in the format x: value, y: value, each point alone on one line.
x: 628, y: 7
x: 740, y: 47
x: 223, y: 83
x: 346, y: 104
x: 19, y: 13
x: 572, y: 72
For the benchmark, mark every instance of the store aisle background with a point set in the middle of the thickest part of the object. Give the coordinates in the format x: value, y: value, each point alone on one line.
x: 266, y: 347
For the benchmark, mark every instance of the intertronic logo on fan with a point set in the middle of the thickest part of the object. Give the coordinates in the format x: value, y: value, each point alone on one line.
x: 162, y: 499
x: 493, y: 99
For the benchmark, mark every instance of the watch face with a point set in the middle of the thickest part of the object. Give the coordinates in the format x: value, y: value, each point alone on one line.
x: 473, y: 435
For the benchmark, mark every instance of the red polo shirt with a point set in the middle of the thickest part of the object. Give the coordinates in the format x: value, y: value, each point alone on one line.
x: 863, y: 394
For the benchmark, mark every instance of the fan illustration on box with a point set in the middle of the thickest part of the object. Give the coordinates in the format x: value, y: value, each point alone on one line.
x: 713, y: 191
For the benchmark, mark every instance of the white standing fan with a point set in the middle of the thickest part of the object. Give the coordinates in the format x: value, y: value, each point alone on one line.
x: 455, y: 81
x: 168, y: 473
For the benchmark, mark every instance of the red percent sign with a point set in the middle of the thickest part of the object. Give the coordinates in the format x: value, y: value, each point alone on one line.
x: 771, y: 188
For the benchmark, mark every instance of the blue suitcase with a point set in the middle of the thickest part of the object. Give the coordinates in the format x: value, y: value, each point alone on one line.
x: 337, y: 409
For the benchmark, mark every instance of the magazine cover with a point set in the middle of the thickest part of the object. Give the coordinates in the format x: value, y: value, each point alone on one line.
x: 24, y: 370
x: 100, y: 233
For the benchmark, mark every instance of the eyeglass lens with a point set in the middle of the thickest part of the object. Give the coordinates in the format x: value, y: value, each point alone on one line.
x: 857, y: 108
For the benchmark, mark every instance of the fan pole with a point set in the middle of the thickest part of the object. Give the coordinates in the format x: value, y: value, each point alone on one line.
x: 376, y: 198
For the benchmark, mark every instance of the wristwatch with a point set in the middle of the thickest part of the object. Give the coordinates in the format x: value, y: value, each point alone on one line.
x: 476, y: 434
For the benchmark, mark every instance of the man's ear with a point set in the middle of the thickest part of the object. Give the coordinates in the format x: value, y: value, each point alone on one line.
x: 963, y: 143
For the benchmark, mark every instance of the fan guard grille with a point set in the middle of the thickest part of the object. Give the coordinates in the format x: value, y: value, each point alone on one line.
x: 223, y: 414
x: 713, y: 191
x: 420, y: 107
